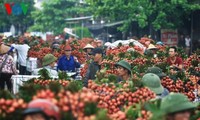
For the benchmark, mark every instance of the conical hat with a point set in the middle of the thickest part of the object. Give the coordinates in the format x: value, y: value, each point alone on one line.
x: 4, y: 37
x: 4, y: 49
x: 151, y: 46
x: 88, y: 46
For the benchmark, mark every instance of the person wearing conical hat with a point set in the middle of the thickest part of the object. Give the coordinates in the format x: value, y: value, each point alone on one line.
x: 151, y: 50
x: 88, y: 49
x: 48, y: 63
x: 7, y: 67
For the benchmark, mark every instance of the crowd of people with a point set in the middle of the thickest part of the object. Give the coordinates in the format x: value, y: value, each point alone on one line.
x: 45, y: 110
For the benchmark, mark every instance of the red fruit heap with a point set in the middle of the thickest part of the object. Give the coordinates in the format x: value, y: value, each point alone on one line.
x: 157, y: 60
x: 117, y: 50
x: 143, y: 40
x: 194, y: 79
x: 169, y: 84
x: 188, y: 62
x: 190, y: 95
x: 47, y: 82
x: 113, y: 100
x: 75, y: 102
x: 44, y: 94
x: 197, y: 69
x: 179, y: 86
x: 145, y: 115
x: 118, y: 116
x: 140, y: 96
x: 139, y: 61
x: 84, y: 70
x: 9, y: 106
x: 80, y: 55
x: 70, y: 102
x: 39, y: 53
x: 189, y: 86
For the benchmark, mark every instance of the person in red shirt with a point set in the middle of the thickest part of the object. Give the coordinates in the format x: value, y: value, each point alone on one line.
x: 173, y: 60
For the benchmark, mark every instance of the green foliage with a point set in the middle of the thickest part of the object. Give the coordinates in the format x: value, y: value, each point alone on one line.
x: 112, y: 78
x: 181, y: 53
x: 16, y: 115
x: 195, y: 63
x: 134, y: 54
x: 74, y: 86
x: 121, y: 55
x: 67, y: 116
x: 55, y: 86
x: 102, y: 115
x: 134, y: 85
x: 27, y: 91
x: 140, y: 68
x: 119, y: 45
x: 192, y: 71
x: 90, y: 109
x: 79, y: 30
x: 62, y: 75
x: 132, y: 114
x: 154, y: 107
x: 158, y: 13
x: 181, y: 75
x: 5, y: 94
x: 163, y: 66
x: 161, y: 54
x: 52, y: 16
x: 44, y: 74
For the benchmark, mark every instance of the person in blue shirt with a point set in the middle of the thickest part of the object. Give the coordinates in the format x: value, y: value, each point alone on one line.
x: 67, y: 62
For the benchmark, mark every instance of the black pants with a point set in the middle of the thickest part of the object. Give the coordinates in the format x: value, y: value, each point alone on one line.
x: 22, y: 70
x: 5, y: 77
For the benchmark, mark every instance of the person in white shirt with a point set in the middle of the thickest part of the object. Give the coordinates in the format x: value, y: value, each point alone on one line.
x: 187, y: 44
x: 48, y: 63
x: 22, y: 51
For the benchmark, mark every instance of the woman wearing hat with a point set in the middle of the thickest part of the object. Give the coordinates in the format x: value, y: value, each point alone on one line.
x: 7, y: 67
x: 124, y: 70
x: 151, y: 50
x: 88, y: 49
x: 176, y: 106
x: 48, y: 63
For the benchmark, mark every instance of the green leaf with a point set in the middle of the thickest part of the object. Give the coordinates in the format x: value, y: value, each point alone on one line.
x: 90, y: 109
x: 74, y: 86
x: 44, y: 74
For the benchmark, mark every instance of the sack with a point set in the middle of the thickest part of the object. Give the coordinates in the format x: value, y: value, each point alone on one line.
x: 31, y: 64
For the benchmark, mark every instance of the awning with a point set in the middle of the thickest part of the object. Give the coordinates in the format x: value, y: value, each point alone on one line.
x: 113, y: 24
x: 79, y: 18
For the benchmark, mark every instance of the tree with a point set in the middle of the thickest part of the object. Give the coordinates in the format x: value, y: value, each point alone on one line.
x: 156, y: 13
x: 53, y: 14
x: 22, y: 21
x: 82, y: 32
